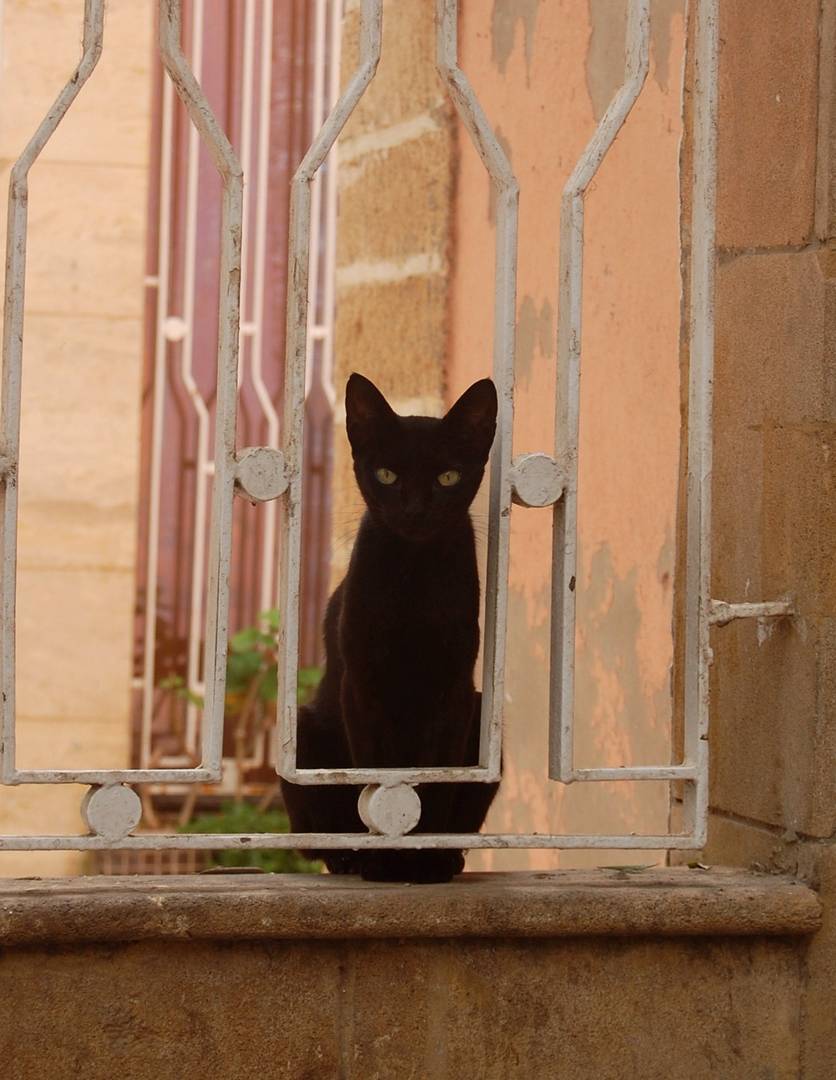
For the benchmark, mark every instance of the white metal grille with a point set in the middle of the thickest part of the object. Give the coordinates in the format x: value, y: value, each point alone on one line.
x: 535, y: 480
x: 183, y: 260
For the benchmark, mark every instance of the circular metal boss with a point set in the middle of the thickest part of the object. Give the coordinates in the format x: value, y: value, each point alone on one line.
x: 536, y: 480
x: 391, y: 811
x: 111, y: 811
x: 260, y: 473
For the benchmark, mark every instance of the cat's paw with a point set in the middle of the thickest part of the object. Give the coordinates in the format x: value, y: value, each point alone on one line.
x: 412, y: 867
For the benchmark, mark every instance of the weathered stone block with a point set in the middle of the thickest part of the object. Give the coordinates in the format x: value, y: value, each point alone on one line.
x: 86, y: 240
x: 406, y: 83
x: 109, y: 120
x: 769, y: 734
x: 79, y: 442
x: 767, y: 122
x: 356, y: 997
x: 396, y: 202
x: 395, y: 333
x: 74, y: 643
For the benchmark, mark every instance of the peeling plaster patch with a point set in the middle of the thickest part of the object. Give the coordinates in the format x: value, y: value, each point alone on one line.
x: 527, y: 800
x: 506, y: 13
x: 610, y: 690
x: 534, y: 331
x: 662, y: 13
x: 605, y: 55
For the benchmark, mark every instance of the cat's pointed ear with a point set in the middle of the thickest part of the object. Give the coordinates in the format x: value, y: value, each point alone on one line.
x: 473, y: 418
x: 366, y: 410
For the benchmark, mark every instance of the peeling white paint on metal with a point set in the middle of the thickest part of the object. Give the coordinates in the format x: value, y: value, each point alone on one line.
x: 391, y: 810
x: 13, y: 311
x: 299, y: 241
x: 700, y: 430
x: 390, y: 804
x: 720, y: 613
x: 335, y: 841
x: 231, y: 174
x: 569, y: 338
x: 506, y: 191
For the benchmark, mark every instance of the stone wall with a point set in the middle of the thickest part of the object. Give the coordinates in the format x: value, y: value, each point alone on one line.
x: 679, y: 975
x: 773, y: 716
x: 81, y: 398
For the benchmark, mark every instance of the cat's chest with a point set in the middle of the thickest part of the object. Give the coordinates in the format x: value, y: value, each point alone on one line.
x: 408, y: 598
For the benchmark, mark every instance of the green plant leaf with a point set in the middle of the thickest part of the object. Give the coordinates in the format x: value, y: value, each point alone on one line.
x: 241, y: 668
x: 251, y: 638
x: 245, y: 818
x: 309, y: 679
x: 269, y: 688
x: 271, y: 617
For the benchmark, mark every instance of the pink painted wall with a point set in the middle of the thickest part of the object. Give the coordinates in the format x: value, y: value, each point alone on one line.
x: 545, y: 71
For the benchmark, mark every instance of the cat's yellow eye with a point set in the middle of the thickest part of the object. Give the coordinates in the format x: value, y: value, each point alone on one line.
x: 386, y: 476
x: 449, y: 478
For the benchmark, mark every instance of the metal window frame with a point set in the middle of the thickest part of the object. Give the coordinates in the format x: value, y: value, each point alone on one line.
x: 534, y: 480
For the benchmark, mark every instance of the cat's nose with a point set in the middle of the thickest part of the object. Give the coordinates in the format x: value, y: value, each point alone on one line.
x: 415, y: 511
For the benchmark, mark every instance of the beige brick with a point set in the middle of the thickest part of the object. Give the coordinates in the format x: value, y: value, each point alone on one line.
x: 78, y: 742
x: 395, y: 334
x: 499, y: 1009
x: 766, y: 732
x: 410, y: 188
x: 86, y: 240
x: 775, y: 408
x: 737, y: 843
x: 39, y: 809
x: 818, y: 1032
x: 826, y: 178
x: 406, y: 83
x: 109, y: 120
x: 79, y: 442
x: 74, y: 644
x: 773, y: 357
x: 767, y: 122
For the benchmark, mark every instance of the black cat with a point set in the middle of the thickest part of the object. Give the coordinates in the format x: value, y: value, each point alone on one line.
x: 402, y: 631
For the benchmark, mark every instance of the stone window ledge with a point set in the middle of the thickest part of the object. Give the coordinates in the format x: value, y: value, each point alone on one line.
x: 569, y: 903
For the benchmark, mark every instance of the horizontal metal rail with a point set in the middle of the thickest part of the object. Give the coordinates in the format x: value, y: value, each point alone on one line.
x: 337, y: 841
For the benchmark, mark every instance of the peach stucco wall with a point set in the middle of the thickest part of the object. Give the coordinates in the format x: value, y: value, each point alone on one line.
x: 544, y: 72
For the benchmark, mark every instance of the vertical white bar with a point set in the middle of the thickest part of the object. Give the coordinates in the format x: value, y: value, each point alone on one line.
x: 700, y: 425
x: 317, y: 118
x: 330, y: 260
x: 269, y: 510
x: 13, y: 311
x: 570, y: 309
x: 505, y: 297
x: 157, y: 418
x: 229, y: 168
x: 246, y: 115
x: 192, y: 389
x: 295, y: 362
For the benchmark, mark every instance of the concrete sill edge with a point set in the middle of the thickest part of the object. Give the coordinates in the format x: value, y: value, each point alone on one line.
x: 667, y: 902
x: 663, y: 902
